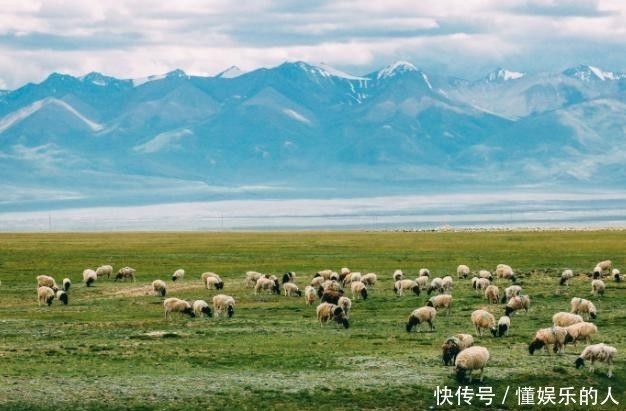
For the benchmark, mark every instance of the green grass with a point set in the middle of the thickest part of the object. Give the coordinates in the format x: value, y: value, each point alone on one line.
x: 97, y: 353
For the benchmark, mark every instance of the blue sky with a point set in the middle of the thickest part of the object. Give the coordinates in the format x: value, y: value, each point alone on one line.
x: 465, y: 38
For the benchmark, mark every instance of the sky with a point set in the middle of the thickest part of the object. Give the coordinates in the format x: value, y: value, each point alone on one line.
x: 465, y: 38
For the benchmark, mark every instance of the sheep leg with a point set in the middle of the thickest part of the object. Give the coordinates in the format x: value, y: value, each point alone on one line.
x: 610, y: 362
x: 591, y: 366
x: 482, y: 370
x: 432, y: 327
x: 470, y: 376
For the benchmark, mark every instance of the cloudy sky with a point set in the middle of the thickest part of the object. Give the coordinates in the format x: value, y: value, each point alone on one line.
x: 466, y: 38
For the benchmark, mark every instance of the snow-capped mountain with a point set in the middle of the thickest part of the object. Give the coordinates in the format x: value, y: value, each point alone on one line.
x: 306, y: 130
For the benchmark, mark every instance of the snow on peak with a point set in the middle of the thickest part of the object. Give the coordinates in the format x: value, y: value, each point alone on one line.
x: 327, y: 70
x: 504, y: 75
x: 395, y: 68
x: 95, y: 78
x: 231, y: 72
x: 588, y: 73
x: 178, y: 73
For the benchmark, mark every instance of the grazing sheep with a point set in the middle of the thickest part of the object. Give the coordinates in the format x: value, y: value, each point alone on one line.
x: 176, y: 305
x: 597, y: 272
x: 511, y: 291
x: 62, y: 296
x: 251, y: 278
x: 351, y: 278
x: 566, y: 275
x: 327, y: 311
x: 446, y: 283
x: 485, y: 274
x: 406, y: 284
x: 492, y: 294
x: 223, y: 302
x: 617, y: 276
x: 422, y: 281
x: 46, y: 281
x: 580, y: 331
x: 605, y: 265
x: 397, y: 275
x: 597, y: 352
x: 266, y: 284
x: 331, y: 285
x: 504, y: 323
x: 291, y: 289
x: 159, y: 287
x: 289, y: 276
x: 563, y: 319
x: 310, y: 295
x: 344, y: 272
x: 597, y: 288
x: 470, y: 359
x: 46, y: 295
x: 325, y: 274
x: 435, y: 285
x: 420, y: 315
x: 582, y: 306
x: 345, y: 303
x: 556, y: 336
x: 517, y: 303
x: 331, y: 296
x: 505, y: 272
x: 480, y: 283
x: 178, y: 274
x: 67, y: 283
x: 424, y: 272
x: 214, y: 282
x: 125, y: 273
x: 441, y: 301
x: 454, y: 345
x: 201, y: 307
x: 369, y: 279
x: 89, y: 277
x: 484, y: 319
x: 317, y: 281
x: 104, y: 270
x: 462, y: 271
x: 358, y: 288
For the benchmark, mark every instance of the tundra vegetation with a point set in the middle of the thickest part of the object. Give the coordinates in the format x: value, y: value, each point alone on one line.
x: 111, y: 348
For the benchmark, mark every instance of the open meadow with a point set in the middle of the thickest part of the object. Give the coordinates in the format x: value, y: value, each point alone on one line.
x: 111, y: 347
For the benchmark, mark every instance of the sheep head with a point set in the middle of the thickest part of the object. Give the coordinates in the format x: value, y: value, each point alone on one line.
x: 416, y: 290
x: 450, y: 350
x: 207, y: 311
x: 535, y: 345
x: 230, y: 311
x: 579, y: 362
x: 460, y: 373
x: 64, y: 298
x: 508, y: 310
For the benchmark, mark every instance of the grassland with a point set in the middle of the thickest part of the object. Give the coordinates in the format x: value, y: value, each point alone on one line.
x: 98, y: 352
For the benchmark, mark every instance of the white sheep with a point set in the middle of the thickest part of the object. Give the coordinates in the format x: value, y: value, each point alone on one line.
x: 176, y: 305
x: 597, y: 352
x: 351, y: 278
x: 492, y: 294
x: 462, y: 271
x: 178, y: 274
x: 397, y: 275
x: 358, y: 288
x: 104, y: 270
x: 89, y: 277
x: 369, y: 279
x: 334, y: 276
x: 214, y: 282
x: 422, y: 281
x: 331, y: 285
x: 484, y: 319
x: 441, y: 301
x: 223, y: 302
x: 597, y: 288
x: 583, y: 306
x: 406, y: 284
x: 485, y: 274
x: 310, y: 295
x: 563, y: 319
x: 580, y: 331
x: 291, y: 289
x: 201, y: 307
x: 556, y: 336
x: 505, y: 272
x: 566, y: 275
x: 251, y: 278
x: 45, y: 295
x: 345, y: 303
x: 435, y: 285
x: 159, y: 287
x: 325, y: 274
x: 318, y: 281
x: 67, y: 283
x: 452, y: 346
x: 289, y: 276
x: 447, y: 283
x: 470, y: 359
x: 266, y: 284
x: 424, y: 272
x: 46, y: 281
x: 617, y: 276
x: 420, y: 315
x: 327, y: 311
x: 479, y: 283
x: 605, y: 265
x: 597, y: 272
x: 504, y: 324
x: 517, y: 303
x: 62, y: 296
x: 124, y: 273
x: 510, y: 291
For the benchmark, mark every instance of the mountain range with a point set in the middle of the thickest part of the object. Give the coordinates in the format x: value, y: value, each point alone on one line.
x: 307, y: 131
